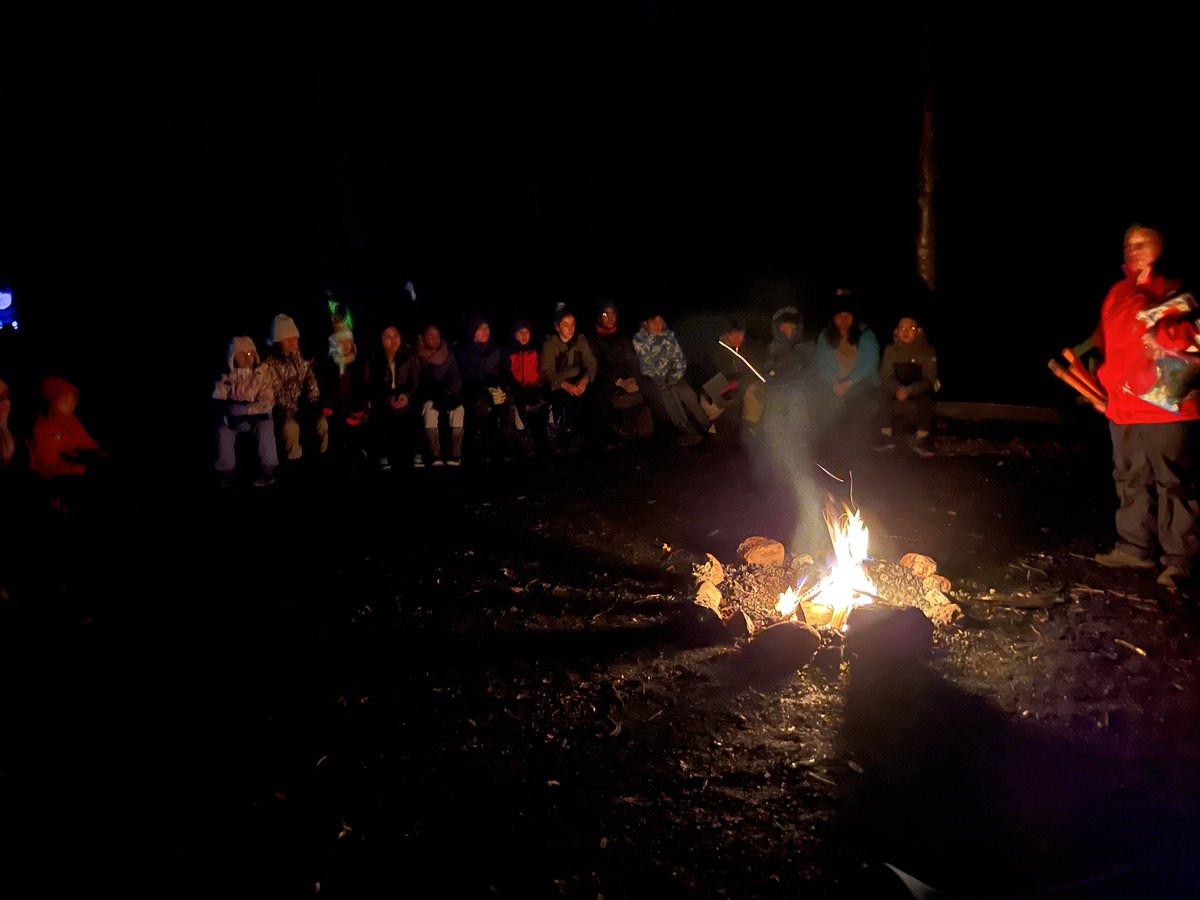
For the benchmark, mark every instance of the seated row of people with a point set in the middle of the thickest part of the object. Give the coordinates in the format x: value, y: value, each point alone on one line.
x: 434, y: 404
x: 840, y: 386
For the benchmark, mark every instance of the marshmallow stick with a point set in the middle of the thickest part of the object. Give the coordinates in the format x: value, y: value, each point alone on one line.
x: 743, y: 359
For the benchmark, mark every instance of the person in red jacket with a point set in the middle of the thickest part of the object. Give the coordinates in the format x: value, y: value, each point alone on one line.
x: 58, y: 443
x: 1152, y: 414
x: 530, y: 404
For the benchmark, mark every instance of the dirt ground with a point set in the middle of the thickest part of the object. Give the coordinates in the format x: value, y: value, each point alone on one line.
x: 467, y: 683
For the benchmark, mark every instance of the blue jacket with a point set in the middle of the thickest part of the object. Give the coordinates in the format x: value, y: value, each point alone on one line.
x: 866, y: 367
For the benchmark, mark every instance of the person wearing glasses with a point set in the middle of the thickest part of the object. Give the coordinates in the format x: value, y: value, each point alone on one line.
x: 909, y: 373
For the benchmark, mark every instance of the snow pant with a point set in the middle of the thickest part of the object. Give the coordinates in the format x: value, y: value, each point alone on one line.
x: 531, y: 418
x: 676, y: 403
x: 490, y: 427
x: 628, y: 415
x: 434, y: 419
x: 264, y: 434
x: 573, y: 417
x: 1152, y: 468
x: 289, y: 428
x: 909, y: 416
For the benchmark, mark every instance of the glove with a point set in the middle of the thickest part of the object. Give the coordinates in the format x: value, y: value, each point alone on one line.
x: 499, y: 398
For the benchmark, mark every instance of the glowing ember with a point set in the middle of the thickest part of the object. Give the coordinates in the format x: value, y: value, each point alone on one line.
x: 846, y: 584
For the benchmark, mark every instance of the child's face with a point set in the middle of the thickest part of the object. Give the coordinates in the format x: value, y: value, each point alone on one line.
x: 243, y: 359
x: 843, y: 321
x: 907, y: 331
x: 391, y: 341
x: 656, y: 325
x: 523, y: 336
x: 65, y: 405
x: 566, y: 328
x: 483, y: 333
x: 289, y: 344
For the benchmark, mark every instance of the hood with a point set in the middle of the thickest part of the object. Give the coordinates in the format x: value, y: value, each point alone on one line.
x: 54, y: 387
x: 783, y: 314
x: 238, y: 345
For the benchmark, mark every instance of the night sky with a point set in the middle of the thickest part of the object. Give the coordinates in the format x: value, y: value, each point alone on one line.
x: 175, y: 177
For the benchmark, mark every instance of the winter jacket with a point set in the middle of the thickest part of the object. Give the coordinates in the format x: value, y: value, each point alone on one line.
x: 615, y: 358
x: 292, y: 378
x: 561, y: 361
x: 439, y: 378
x: 245, y: 392
x: 481, y: 366
x: 913, y: 366
x: 54, y: 439
x: 788, y: 358
x: 660, y: 356
x: 866, y: 364
x: 388, y: 380
x: 1129, y: 369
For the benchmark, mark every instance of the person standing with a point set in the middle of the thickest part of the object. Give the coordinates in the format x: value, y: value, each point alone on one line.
x: 1152, y: 433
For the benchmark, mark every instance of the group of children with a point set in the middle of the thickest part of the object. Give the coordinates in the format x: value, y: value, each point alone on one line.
x: 839, y: 387
x: 434, y: 404
x: 430, y: 405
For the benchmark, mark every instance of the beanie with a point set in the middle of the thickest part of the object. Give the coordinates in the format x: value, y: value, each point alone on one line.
x: 282, y: 327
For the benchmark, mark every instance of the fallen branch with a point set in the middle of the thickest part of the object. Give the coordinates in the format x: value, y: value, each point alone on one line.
x: 1128, y: 646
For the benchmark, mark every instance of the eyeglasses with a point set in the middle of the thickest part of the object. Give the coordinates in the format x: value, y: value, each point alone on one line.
x: 908, y: 328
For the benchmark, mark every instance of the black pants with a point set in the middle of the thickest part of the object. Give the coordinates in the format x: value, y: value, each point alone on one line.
x: 1152, y: 468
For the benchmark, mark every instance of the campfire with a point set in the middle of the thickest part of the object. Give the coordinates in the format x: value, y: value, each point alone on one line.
x: 843, y: 585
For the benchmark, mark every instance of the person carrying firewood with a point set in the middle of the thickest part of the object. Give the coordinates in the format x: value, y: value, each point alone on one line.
x: 1152, y: 427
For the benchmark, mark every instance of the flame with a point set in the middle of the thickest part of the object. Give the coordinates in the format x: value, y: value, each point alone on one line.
x: 788, y: 601
x: 846, y: 584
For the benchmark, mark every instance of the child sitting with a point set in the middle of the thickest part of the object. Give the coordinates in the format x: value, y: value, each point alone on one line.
x: 8, y: 446
x: 909, y: 373
x: 59, y: 445
x: 246, y: 398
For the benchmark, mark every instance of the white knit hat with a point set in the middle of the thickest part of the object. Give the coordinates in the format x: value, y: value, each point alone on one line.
x: 282, y: 327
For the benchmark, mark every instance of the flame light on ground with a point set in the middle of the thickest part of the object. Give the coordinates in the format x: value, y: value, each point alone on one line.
x: 845, y: 584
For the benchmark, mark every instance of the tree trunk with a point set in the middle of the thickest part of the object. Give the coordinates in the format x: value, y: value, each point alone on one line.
x: 927, y: 230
